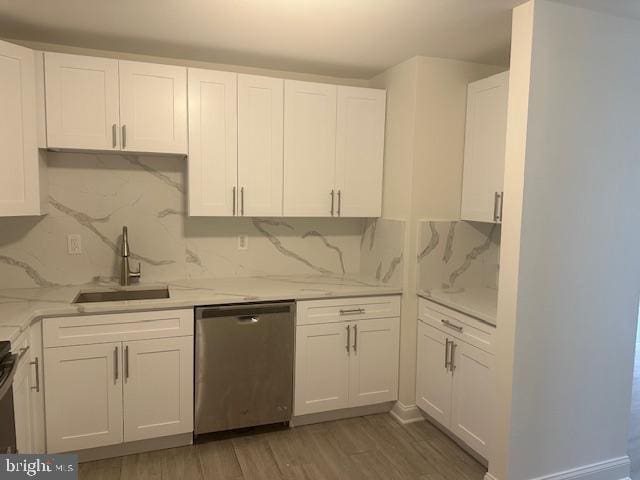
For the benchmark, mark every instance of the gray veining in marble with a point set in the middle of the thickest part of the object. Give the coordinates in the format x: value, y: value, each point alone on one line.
x: 468, y: 257
x: 382, y: 250
x: 94, y: 195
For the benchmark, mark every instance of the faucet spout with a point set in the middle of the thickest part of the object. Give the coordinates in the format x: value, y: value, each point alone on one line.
x: 126, y: 274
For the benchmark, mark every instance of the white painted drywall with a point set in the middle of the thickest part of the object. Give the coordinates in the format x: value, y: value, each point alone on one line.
x: 569, y: 261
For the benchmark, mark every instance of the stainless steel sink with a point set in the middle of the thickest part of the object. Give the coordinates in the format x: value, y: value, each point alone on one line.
x: 121, y: 295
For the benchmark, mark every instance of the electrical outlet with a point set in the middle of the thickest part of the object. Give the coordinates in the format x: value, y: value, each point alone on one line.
x: 243, y: 242
x: 74, y: 244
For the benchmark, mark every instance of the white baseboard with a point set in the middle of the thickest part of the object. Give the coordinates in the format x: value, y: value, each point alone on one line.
x: 405, y: 414
x: 613, y: 469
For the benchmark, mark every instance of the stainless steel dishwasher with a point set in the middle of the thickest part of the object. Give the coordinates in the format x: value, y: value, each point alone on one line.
x: 243, y: 365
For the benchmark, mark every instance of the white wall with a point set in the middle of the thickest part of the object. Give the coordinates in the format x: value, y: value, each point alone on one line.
x: 569, y: 262
x: 426, y: 108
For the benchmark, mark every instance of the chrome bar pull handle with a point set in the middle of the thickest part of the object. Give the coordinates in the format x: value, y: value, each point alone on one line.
x: 234, y: 200
x: 36, y: 364
x: 355, y: 338
x: 124, y: 137
x: 352, y: 311
x: 333, y: 194
x: 339, y: 203
x: 452, y: 359
x: 495, y: 206
x: 114, y: 133
x: 446, y: 354
x: 500, y: 209
x: 348, y: 338
x: 242, y: 201
x: 126, y: 362
x: 452, y: 326
x: 115, y: 359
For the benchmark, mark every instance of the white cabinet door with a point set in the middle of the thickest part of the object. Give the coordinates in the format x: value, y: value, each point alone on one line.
x: 158, y: 387
x: 472, y: 387
x: 260, y: 138
x: 153, y: 107
x: 433, y: 379
x: 82, y: 102
x: 374, y: 361
x: 213, y: 158
x: 484, y: 148
x: 322, y: 368
x: 309, y: 148
x: 22, y: 408
x: 360, y: 151
x: 20, y: 181
x: 83, y: 399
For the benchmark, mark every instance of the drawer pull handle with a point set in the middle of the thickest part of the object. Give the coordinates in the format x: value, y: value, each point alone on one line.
x: 353, y: 311
x: 447, y: 323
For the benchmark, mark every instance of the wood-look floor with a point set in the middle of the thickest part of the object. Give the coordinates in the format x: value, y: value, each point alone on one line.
x: 373, y: 447
x: 634, y: 428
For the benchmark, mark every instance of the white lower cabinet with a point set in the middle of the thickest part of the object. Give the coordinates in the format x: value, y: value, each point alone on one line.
x: 117, y: 391
x: 433, y: 380
x: 28, y: 394
x: 158, y: 388
x: 83, y: 399
x: 322, y: 368
x: 345, y: 363
x: 454, y: 380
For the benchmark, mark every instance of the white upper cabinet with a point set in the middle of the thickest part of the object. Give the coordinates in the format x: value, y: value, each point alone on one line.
x: 260, y: 145
x: 20, y: 165
x: 309, y: 149
x: 484, y: 150
x: 83, y: 105
x: 153, y: 107
x: 213, y: 158
x: 107, y: 104
x: 360, y: 151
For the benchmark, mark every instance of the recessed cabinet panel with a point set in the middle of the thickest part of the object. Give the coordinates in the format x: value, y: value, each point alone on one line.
x: 158, y: 387
x: 359, y: 151
x: 213, y: 158
x: 471, y: 413
x: 322, y: 368
x: 83, y: 399
x: 82, y: 102
x: 484, y: 149
x: 373, y: 374
x: 433, y: 378
x: 309, y: 149
x: 153, y: 107
x: 20, y: 181
x: 260, y: 144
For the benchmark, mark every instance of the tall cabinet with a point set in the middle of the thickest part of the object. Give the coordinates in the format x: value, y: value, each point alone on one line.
x: 21, y: 168
x: 484, y: 149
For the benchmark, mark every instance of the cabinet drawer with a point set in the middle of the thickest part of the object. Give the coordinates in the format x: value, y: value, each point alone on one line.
x: 457, y: 325
x: 346, y: 309
x: 114, y: 327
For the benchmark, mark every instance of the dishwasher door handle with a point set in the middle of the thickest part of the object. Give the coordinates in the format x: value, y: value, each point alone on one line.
x: 248, y: 320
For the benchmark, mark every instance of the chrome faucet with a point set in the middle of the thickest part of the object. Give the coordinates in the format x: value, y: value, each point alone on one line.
x: 125, y: 270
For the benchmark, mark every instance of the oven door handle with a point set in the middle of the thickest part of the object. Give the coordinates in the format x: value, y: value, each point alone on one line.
x: 8, y: 381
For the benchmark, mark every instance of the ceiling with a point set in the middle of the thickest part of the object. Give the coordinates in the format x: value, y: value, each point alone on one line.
x: 348, y: 38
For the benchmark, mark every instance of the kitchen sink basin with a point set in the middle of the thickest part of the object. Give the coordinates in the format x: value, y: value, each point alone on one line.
x: 121, y: 295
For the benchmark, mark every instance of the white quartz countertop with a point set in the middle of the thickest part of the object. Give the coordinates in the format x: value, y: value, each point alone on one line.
x: 481, y: 303
x: 20, y: 307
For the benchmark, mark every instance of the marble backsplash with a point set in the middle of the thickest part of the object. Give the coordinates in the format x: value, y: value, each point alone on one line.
x: 381, y: 250
x: 94, y: 195
x: 458, y: 254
